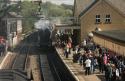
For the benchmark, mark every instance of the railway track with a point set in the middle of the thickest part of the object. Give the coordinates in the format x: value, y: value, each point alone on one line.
x: 52, y: 67
x: 21, y: 58
x: 10, y: 57
x: 45, y: 69
x: 59, y: 71
x: 15, y: 66
x: 20, y: 64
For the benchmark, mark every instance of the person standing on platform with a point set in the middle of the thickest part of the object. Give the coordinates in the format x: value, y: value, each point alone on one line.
x: 87, y: 66
x: 105, y: 61
x: 70, y: 44
x: 113, y: 72
x: 108, y: 72
x: 67, y: 51
x: 0, y: 49
x: 117, y: 74
x: 123, y: 75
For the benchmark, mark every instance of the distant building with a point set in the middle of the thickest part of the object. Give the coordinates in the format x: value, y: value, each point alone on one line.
x: 11, y: 28
x: 17, y: 26
x: 99, y: 14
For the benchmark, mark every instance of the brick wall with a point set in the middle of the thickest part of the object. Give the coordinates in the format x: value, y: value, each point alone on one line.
x: 113, y: 45
x: 88, y: 19
x: 80, y: 5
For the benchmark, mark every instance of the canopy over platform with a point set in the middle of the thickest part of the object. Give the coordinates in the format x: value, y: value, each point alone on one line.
x: 66, y: 26
x: 118, y: 35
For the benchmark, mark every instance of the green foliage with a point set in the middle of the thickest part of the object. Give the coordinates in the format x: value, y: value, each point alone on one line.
x: 52, y: 10
x: 55, y: 12
x: 28, y: 11
x: 13, y: 8
x: 68, y: 12
x: 28, y: 25
x: 70, y: 7
x: 2, y: 7
x: 2, y: 3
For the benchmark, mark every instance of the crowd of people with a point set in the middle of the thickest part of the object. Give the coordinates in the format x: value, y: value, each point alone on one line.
x: 94, y: 57
x: 107, y: 62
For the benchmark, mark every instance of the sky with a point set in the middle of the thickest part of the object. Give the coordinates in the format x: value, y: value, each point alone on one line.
x: 71, y: 2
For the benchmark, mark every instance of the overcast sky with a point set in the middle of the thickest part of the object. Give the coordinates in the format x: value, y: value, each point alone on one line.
x: 71, y: 2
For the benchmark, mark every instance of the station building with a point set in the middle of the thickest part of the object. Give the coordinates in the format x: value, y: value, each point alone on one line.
x: 102, y: 14
x: 113, y: 40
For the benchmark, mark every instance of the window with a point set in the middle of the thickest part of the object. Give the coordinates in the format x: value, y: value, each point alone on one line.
x: 98, y: 20
x: 108, y: 19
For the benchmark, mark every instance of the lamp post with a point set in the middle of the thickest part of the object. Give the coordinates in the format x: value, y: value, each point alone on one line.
x: 9, y: 35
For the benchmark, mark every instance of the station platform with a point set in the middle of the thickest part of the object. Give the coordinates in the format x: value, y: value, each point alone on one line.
x: 7, y: 60
x: 2, y: 57
x: 78, y: 71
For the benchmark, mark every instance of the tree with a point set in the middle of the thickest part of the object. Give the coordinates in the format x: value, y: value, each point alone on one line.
x: 28, y: 9
x: 53, y: 10
x: 2, y: 7
x: 2, y: 4
x: 29, y: 12
x: 70, y: 7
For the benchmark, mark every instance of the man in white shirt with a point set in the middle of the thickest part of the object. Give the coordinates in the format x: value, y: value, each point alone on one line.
x: 84, y: 43
x: 87, y: 65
